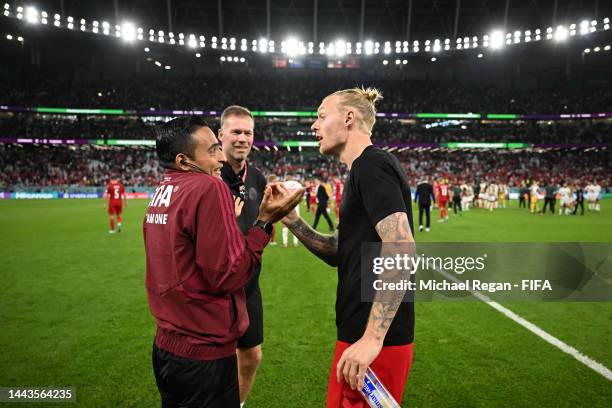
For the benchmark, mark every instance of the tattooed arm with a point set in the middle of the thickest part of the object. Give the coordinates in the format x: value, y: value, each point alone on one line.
x: 323, y: 246
x: 396, y: 235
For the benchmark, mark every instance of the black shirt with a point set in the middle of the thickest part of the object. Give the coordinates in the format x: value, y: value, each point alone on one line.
x: 424, y: 194
x: 376, y: 188
x: 251, y: 191
x: 551, y: 190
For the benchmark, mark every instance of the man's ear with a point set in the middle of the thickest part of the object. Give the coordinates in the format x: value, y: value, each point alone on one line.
x: 349, y: 118
x: 180, y: 160
x: 220, y: 134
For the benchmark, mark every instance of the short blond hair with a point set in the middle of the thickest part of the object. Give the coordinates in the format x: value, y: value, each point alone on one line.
x: 235, y: 110
x: 364, y: 100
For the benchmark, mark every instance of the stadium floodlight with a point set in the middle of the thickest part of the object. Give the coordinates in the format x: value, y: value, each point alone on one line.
x: 436, y: 47
x: 369, y: 47
x: 497, y: 39
x: 446, y: 47
x: 596, y: 49
x: 31, y: 15
x: 20, y: 39
x: 192, y: 42
x: 587, y: 50
x: 434, y: 59
x: 263, y: 45
x: 397, y: 62
x: 561, y: 33
x: 222, y: 59
x: 236, y: 59
x: 291, y: 46
x: 168, y: 67
x: 607, y: 48
x: 480, y: 55
x: 242, y: 59
x: 232, y: 40
x: 7, y: 6
x: 427, y: 48
x: 243, y: 47
x: 385, y: 62
x: 404, y: 62
x: 9, y: 37
x: 198, y: 55
x: 128, y: 31
x: 584, y: 27
x: 6, y: 13
x: 159, y: 64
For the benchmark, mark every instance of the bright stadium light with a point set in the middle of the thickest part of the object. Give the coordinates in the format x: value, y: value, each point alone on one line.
x: 584, y: 27
x: 31, y: 15
x: 385, y: 62
x: 128, y: 31
x: 341, y: 48
x: 291, y: 47
x: 561, y: 33
x: 497, y: 39
x: 192, y: 42
x: 434, y: 59
x: 480, y: 55
x: 263, y: 45
x: 397, y: 62
x: 369, y: 47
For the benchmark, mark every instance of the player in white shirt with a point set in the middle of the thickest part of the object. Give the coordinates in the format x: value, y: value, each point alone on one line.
x: 492, y: 193
x: 596, y: 192
x: 565, y: 194
x: 292, y: 185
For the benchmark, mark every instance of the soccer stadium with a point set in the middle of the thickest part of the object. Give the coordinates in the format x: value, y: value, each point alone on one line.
x: 190, y: 193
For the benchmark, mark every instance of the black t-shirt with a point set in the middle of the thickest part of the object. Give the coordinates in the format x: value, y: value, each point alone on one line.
x: 251, y: 191
x: 376, y: 188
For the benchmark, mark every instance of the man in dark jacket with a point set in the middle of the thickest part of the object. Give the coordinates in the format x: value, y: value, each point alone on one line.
x: 198, y: 263
x: 322, y: 201
x: 424, y: 196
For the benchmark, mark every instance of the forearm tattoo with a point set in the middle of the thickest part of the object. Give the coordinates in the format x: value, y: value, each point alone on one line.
x: 322, y: 245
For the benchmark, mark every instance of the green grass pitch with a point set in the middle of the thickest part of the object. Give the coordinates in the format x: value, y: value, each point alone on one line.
x: 73, y: 312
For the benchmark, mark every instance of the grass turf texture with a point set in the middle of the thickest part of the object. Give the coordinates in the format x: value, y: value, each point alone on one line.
x: 73, y: 312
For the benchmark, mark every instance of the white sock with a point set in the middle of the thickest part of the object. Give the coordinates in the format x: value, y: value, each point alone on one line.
x: 285, y: 235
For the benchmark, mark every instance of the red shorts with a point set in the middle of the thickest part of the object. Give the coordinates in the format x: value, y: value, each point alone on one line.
x: 392, y: 367
x: 114, y: 208
x: 442, y: 203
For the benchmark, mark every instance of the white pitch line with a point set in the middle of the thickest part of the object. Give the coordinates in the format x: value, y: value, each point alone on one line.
x: 587, y: 361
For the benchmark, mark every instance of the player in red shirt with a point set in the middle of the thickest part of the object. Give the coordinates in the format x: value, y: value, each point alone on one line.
x: 312, y: 200
x: 442, y: 197
x: 115, y: 194
x: 338, y: 188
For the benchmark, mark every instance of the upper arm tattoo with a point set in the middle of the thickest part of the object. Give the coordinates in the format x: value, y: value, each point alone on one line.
x: 392, y: 230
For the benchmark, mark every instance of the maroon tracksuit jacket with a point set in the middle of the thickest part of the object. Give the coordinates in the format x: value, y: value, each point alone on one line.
x: 198, y: 262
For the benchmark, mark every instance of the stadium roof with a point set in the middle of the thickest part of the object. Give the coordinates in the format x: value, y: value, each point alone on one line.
x: 382, y: 19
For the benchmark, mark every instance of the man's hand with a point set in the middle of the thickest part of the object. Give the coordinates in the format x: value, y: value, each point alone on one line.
x: 356, y: 359
x: 277, y: 202
x: 238, y: 204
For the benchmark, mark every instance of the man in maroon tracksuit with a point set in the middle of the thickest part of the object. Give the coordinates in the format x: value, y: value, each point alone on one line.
x: 198, y: 262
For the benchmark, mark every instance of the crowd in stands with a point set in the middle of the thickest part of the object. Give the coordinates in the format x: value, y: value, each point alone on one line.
x: 73, y: 166
x: 279, y: 129
x: 299, y: 90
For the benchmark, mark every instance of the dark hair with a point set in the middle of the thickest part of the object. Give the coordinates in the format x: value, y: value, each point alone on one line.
x: 174, y: 137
